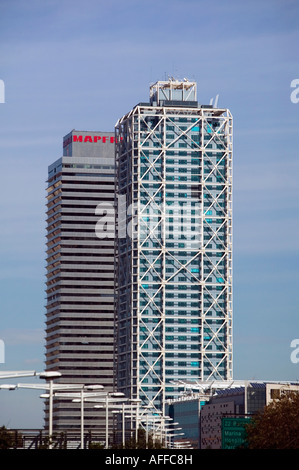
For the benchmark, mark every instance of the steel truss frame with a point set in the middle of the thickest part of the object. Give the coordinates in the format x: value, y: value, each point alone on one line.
x: 142, y: 178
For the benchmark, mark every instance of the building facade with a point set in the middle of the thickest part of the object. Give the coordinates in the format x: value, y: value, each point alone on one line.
x: 80, y: 271
x: 174, y: 243
x: 213, y: 414
x: 223, y: 418
x: 186, y: 412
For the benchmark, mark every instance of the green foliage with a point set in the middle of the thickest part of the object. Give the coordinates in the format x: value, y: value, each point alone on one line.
x: 277, y: 426
x: 96, y: 445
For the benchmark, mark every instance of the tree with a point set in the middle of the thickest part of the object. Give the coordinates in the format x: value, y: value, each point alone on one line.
x: 277, y: 426
x: 6, y: 440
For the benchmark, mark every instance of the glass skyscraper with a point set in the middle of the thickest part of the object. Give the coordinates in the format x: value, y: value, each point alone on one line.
x: 174, y: 243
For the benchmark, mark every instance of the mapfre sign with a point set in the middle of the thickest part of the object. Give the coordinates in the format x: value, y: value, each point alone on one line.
x: 92, y: 139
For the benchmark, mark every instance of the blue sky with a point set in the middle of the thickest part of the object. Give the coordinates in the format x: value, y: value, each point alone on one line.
x: 70, y: 64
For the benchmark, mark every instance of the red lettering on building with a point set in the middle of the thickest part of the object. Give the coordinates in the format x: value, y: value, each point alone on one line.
x: 91, y: 139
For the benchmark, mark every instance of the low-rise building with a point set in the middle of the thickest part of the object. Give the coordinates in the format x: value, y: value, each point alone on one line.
x: 215, y: 417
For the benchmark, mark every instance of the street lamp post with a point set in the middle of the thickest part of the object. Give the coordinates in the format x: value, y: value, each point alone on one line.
x: 107, y: 434
x: 113, y: 395
x: 132, y: 406
x: 52, y: 388
x: 159, y: 427
x: 122, y: 412
x: 17, y: 374
x: 123, y: 425
x: 92, y: 396
x: 171, y: 434
x: 8, y: 387
x: 50, y: 376
x: 107, y: 398
x: 81, y: 400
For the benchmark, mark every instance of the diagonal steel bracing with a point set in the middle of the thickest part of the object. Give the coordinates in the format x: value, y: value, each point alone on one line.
x: 159, y: 268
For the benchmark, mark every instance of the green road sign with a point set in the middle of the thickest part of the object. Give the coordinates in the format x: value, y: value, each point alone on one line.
x: 233, y: 432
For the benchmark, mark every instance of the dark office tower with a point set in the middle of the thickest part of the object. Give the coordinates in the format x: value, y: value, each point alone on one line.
x: 80, y: 271
x: 174, y: 247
